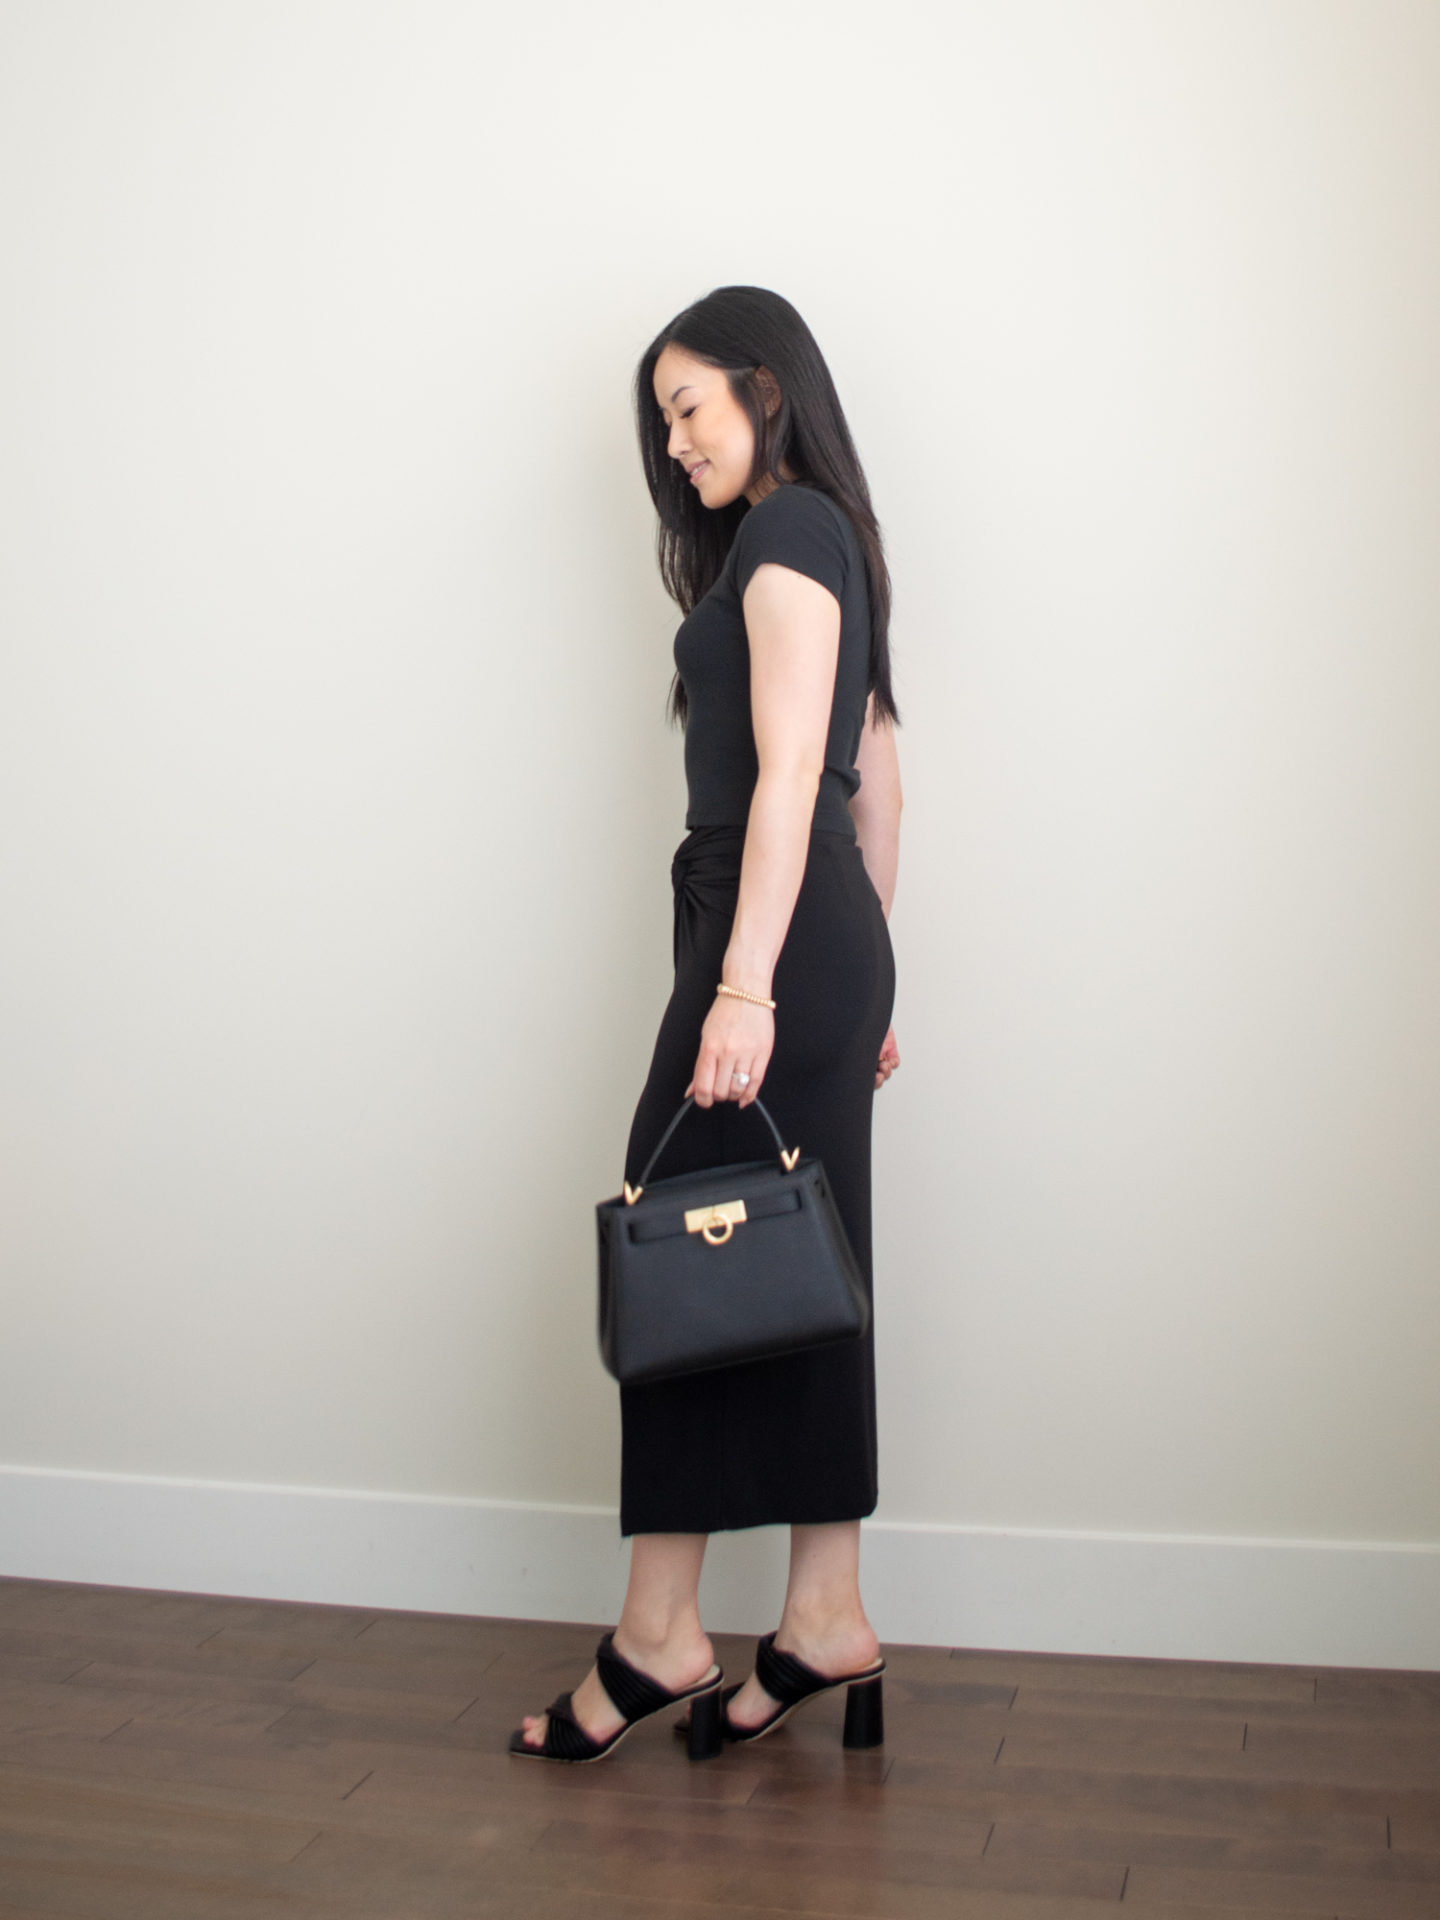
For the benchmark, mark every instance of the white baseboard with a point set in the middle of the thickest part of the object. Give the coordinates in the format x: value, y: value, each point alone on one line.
x: 1309, y: 1602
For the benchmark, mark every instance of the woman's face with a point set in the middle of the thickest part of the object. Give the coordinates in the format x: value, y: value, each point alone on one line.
x: 710, y: 432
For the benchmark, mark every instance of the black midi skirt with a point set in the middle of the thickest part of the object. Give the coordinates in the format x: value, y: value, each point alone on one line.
x: 770, y: 1441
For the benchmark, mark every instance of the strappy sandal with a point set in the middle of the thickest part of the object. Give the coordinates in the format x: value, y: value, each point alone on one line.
x: 789, y: 1680
x: 635, y: 1695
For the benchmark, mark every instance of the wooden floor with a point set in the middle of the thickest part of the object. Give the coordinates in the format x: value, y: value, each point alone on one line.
x: 170, y: 1756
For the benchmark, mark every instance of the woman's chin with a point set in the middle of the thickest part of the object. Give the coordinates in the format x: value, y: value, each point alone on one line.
x: 714, y: 494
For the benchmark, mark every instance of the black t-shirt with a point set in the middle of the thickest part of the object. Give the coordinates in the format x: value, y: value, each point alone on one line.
x: 797, y: 526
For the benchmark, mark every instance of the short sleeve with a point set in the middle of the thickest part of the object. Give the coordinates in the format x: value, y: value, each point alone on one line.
x: 794, y: 526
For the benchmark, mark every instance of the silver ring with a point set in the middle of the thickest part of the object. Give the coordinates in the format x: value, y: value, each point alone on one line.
x: 740, y: 1079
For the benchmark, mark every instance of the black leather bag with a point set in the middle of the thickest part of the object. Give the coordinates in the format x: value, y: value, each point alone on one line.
x: 735, y: 1263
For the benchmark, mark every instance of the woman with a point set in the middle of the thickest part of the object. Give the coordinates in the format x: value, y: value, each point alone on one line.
x: 784, y: 980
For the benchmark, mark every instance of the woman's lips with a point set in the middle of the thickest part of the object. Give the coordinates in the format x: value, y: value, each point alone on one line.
x: 695, y: 472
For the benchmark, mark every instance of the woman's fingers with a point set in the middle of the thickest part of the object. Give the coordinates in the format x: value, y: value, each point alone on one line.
x: 712, y: 1076
x: 715, y: 1080
x: 889, y: 1059
x: 746, y: 1094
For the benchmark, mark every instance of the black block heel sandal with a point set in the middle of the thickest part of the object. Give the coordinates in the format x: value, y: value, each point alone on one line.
x: 635, y: 1695
x: 788, y: 1680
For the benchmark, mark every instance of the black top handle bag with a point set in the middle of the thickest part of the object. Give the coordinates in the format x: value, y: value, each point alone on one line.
x: 741, y: 1262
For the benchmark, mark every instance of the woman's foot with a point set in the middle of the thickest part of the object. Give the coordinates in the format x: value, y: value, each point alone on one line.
x: 673, y: 1665
x: 835, y: 1647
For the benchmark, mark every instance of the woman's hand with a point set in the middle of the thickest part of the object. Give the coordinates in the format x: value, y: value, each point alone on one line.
x: 889, y: 1059
x: 737, y: 1037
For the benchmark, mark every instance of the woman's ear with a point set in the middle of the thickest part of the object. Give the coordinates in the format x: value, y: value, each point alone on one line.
x: 769, y: 389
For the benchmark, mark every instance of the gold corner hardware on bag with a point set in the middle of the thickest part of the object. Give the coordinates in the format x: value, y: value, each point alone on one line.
x: 709, y: 1221
x: 632, y: 1194
x: 787, y: 1160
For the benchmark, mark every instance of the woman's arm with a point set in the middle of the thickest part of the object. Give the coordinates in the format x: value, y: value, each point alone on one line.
x: 793, y: 624
x: 875, y: 809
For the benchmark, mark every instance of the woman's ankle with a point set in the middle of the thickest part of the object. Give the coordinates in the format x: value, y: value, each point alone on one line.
x: 826, y: 1622
x: 659, y: 1641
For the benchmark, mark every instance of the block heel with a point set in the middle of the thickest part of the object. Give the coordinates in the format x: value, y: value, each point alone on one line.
x: 864, y: 1714
x: 705, y: 1736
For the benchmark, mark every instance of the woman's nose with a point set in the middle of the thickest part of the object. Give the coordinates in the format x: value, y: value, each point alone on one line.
x: 677, y: 442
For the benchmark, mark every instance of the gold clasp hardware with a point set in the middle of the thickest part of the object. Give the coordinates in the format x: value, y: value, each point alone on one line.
x: 708, y: 1222
x: 787, y: 1160
x: 632, y: 1194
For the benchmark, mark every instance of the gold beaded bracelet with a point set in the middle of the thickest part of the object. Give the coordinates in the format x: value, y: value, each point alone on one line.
x: 739, y: 993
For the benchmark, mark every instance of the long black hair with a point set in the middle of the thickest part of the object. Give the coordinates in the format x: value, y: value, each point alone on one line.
x: 741, y: 329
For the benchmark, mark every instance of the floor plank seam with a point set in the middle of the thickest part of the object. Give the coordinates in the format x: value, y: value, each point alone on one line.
x: 357, y: 1786
x: 120, y: 1729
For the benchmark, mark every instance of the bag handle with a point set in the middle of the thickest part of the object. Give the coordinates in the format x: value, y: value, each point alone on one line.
x: 788, y: 1156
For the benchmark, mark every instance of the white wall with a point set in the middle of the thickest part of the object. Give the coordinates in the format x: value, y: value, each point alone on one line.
x: 337, y: 803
